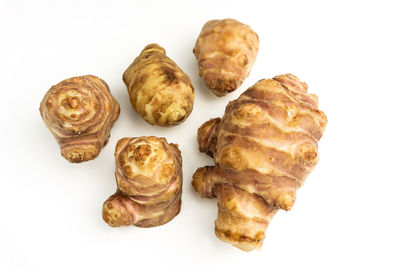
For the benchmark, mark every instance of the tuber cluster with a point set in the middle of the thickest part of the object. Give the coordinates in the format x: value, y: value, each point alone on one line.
x: 264, y: 147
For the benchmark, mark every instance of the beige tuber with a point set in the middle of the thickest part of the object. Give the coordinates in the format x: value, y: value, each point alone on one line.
x: 148, y: 171
x: 80, y: 112
x: 159, y: 91
x: 263, y: 147
x: 225, y: 50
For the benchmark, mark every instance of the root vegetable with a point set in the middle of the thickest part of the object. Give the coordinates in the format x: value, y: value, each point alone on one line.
x: 149, y: 178
x: 159, y: 91
x: 225, y: 50
x: 80, y: 112
x: 264, y: 147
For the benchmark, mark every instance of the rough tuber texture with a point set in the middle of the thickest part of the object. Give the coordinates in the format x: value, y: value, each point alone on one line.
x: 149, y: 178
x: 80, y: 112
x: 159, y: 90
x: 264, y: 147
x: 225, y: 50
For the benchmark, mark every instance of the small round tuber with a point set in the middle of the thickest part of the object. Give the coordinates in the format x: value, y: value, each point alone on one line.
x: 80, y: 112
x: 225, y: 50
x: 148, y: 172
x: 159, y: 91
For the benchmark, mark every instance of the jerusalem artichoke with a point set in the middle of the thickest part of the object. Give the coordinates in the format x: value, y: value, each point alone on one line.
x: 264, y: 147
x: 149, y: 178
x: 159, y: 91
x: 80, y: 112
x: 226, y: 50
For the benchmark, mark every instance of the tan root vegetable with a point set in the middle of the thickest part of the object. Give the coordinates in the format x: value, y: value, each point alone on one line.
x: 80, y: 112
x: 225, y: 50
x: 159, y: 90
x: 149, y: 178
x: 263, y: 147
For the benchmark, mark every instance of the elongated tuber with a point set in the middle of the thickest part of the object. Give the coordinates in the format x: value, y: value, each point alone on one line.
x: 149, y: 178
x: 225, y: 50
x: 159, y: 91
x: 80, y: 112
x: 263, y: 147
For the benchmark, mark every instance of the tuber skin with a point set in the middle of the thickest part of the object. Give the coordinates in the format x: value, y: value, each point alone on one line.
x: 160, y: 92
x: 264, y: 147
x: 225, y: 50
x: 149, y: 178
x: 80, y: 112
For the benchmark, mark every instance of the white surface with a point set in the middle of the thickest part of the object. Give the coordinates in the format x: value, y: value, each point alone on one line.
x: 347, y: 214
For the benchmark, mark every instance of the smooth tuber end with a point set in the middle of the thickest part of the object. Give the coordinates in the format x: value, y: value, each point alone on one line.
x: 242, y: 217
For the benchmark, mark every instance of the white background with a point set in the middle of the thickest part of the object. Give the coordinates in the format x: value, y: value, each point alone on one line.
x: 347, y: 214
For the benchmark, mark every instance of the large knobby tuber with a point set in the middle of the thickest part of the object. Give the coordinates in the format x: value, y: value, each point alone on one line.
x: 148, y: 171
x: 80, y: 112
x: 263, y: 147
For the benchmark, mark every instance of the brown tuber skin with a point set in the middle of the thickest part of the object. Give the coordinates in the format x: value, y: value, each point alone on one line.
x: 263, y: 147
x: 149, y: 178
x: 159, y: 91
x: 225, y: 50
x: 80, y: 112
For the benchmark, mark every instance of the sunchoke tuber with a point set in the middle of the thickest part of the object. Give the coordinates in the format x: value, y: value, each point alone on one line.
x: 264, y: 147
x: 80, y: 112
x: 225, y: 50
x: 159, y: 91
x: 149, y: 178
